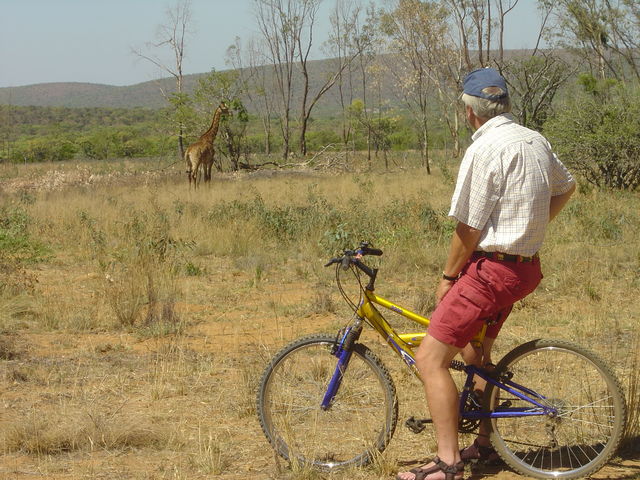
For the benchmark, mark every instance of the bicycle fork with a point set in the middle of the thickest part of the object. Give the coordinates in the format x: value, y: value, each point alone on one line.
x: 343, y: 350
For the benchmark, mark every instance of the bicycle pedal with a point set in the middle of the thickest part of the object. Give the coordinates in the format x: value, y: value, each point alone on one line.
x: 417, y: 425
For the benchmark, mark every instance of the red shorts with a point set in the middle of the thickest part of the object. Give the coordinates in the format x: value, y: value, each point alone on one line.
x: 484, y: 293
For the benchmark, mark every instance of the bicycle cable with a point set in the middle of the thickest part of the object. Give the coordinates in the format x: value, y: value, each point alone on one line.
x: 346, y: 297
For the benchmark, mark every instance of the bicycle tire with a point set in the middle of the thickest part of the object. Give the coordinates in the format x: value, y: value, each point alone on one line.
x: 592, y: 411
x: 360, y: 421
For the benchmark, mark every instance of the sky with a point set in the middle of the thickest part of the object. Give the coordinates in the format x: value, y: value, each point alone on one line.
x: 44, y: 41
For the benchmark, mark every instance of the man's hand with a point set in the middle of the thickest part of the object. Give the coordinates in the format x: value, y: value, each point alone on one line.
x: 443, y: 287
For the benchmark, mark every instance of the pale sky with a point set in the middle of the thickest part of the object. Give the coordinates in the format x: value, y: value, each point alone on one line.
x: 45, y: 41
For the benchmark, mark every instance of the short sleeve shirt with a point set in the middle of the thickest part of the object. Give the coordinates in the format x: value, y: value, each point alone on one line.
x: 506, y: 180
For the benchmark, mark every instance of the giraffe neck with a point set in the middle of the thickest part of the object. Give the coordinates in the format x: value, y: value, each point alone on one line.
x: 213, y: 129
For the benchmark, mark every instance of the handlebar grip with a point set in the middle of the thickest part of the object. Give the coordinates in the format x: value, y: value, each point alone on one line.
x: 332, y: 261
x: 372, y: 251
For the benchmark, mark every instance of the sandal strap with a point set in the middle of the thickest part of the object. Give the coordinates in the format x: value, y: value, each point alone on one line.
x: 450, y: 471
x: 483, y: 451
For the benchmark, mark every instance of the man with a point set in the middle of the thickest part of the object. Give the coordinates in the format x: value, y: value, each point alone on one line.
x: 510, y: 185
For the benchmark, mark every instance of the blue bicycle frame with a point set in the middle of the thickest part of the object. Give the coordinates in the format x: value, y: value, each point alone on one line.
x: 531, y: 397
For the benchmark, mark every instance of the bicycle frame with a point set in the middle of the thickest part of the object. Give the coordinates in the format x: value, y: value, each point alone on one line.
x: 403, y: 345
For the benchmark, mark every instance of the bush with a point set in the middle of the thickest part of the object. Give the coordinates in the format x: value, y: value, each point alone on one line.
x: 45, y: 149
x: 596, y: 135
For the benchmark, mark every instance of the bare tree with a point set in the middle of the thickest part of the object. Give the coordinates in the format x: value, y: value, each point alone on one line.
x: 582, y: 28
x: 625, y: 32
x: 605, y: 34
x: 172, y: 35
x: 503, y: 10
x: 417, y: 30
x: 280, y: 22
x: 287, y: 27
x: 353, y: 34
x: 533, y: 84
x: 338, y: 45
x: 257, y: 82
x: 340, y: 64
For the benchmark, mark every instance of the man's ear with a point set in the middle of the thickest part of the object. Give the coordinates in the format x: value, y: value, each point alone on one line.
x: 470, y: 114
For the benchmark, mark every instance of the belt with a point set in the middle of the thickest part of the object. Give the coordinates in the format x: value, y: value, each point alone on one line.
x: 506, y: 257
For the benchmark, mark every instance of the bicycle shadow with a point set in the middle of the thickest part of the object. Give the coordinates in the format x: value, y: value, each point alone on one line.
x: 626, y: 464
x: 631, y: 448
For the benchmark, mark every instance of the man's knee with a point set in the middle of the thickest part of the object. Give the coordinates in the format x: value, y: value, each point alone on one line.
x: 433, y: 356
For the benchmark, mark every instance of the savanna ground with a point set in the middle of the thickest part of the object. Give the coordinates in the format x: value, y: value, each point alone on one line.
x: 136, y: 316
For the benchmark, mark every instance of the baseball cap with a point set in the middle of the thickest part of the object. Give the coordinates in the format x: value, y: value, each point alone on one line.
x: 482, y: 78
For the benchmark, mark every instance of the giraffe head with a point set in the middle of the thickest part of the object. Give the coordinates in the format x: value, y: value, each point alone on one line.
x: 224, y: 109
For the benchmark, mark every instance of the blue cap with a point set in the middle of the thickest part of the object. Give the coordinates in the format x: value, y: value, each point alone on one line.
x: 482, y: 78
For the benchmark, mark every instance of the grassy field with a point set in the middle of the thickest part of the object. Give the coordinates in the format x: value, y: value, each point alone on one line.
x: 136, y: 316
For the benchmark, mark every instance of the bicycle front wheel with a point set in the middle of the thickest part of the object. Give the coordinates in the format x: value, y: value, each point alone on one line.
x: 360, y: 421
x: 584, y: 392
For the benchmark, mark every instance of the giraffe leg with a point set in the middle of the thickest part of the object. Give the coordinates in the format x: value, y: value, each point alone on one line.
x: 189, y: 170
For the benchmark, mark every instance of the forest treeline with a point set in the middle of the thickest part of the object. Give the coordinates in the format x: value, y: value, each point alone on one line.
x: 393, y: 76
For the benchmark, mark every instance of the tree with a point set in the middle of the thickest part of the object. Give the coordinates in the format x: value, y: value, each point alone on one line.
x: 417, y: 30
x: 533, y: 84
x: 279, y: 22
x: 604, y: 34
x: 352, y: 36
x: 379, y: 128
x: 256, y: 83
x: 596, y: 134
x: 287, y: 27
x: 340, y: 64
x: 173, y: 35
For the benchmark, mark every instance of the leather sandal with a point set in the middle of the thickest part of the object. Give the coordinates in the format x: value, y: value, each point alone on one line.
x: 486, y: 455
x: 451, y: 472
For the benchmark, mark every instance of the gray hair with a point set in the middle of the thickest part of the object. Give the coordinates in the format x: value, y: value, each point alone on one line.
x: 487, y: 109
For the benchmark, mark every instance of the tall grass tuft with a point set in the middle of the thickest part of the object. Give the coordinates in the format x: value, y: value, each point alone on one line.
x: 58, y: 432
x: 632, y: 432
x: 140, y: 262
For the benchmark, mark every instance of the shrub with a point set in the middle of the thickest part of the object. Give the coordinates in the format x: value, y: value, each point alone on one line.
x: 596, y: 135
x: 44, y: 149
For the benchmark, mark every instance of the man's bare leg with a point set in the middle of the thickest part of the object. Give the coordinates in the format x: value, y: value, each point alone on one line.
x: 432, y: 359
x: 480, y: 356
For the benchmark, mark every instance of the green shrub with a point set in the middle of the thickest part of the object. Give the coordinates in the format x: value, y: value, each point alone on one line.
x: 44, y: 149
x: 596, y: 135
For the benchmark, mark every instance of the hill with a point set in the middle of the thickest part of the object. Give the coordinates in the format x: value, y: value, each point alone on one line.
x: 75, y: 94
x: 146, y: 94
x: 150, y: 94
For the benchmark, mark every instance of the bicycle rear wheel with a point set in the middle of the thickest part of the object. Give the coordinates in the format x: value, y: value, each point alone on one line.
x: 591, y: 411
x: 360, y: 421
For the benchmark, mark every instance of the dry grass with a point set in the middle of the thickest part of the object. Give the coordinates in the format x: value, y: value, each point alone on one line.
x: 134, y: 348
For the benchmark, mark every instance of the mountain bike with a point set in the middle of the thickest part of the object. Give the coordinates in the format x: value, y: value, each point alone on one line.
x: 554, y: 408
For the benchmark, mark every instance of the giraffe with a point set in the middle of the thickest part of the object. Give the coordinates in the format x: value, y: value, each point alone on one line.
x: 202, y: 151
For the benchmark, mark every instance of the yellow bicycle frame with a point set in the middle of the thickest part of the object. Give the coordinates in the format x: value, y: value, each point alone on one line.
x: 402, y: 343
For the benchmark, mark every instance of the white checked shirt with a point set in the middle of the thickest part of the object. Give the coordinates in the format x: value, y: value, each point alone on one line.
x: 505, y: 184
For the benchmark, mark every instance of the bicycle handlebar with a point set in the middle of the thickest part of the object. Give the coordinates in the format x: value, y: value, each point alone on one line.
x: 352, y: 257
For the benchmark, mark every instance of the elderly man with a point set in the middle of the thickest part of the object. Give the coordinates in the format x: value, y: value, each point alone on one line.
x: 510, y: 185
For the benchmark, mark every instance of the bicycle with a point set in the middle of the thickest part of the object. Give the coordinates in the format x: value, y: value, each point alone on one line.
x: 555, y: 409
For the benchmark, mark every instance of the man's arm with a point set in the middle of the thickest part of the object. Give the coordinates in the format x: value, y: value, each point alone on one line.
x: 463, y: 243
x: 559, y: 201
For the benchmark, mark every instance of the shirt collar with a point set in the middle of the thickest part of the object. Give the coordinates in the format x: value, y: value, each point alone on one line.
x: 493, y: 123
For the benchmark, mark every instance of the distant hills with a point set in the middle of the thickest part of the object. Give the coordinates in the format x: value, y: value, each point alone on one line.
x: 75, y: 94
x: 149, y: 94
x: 146, y: 94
